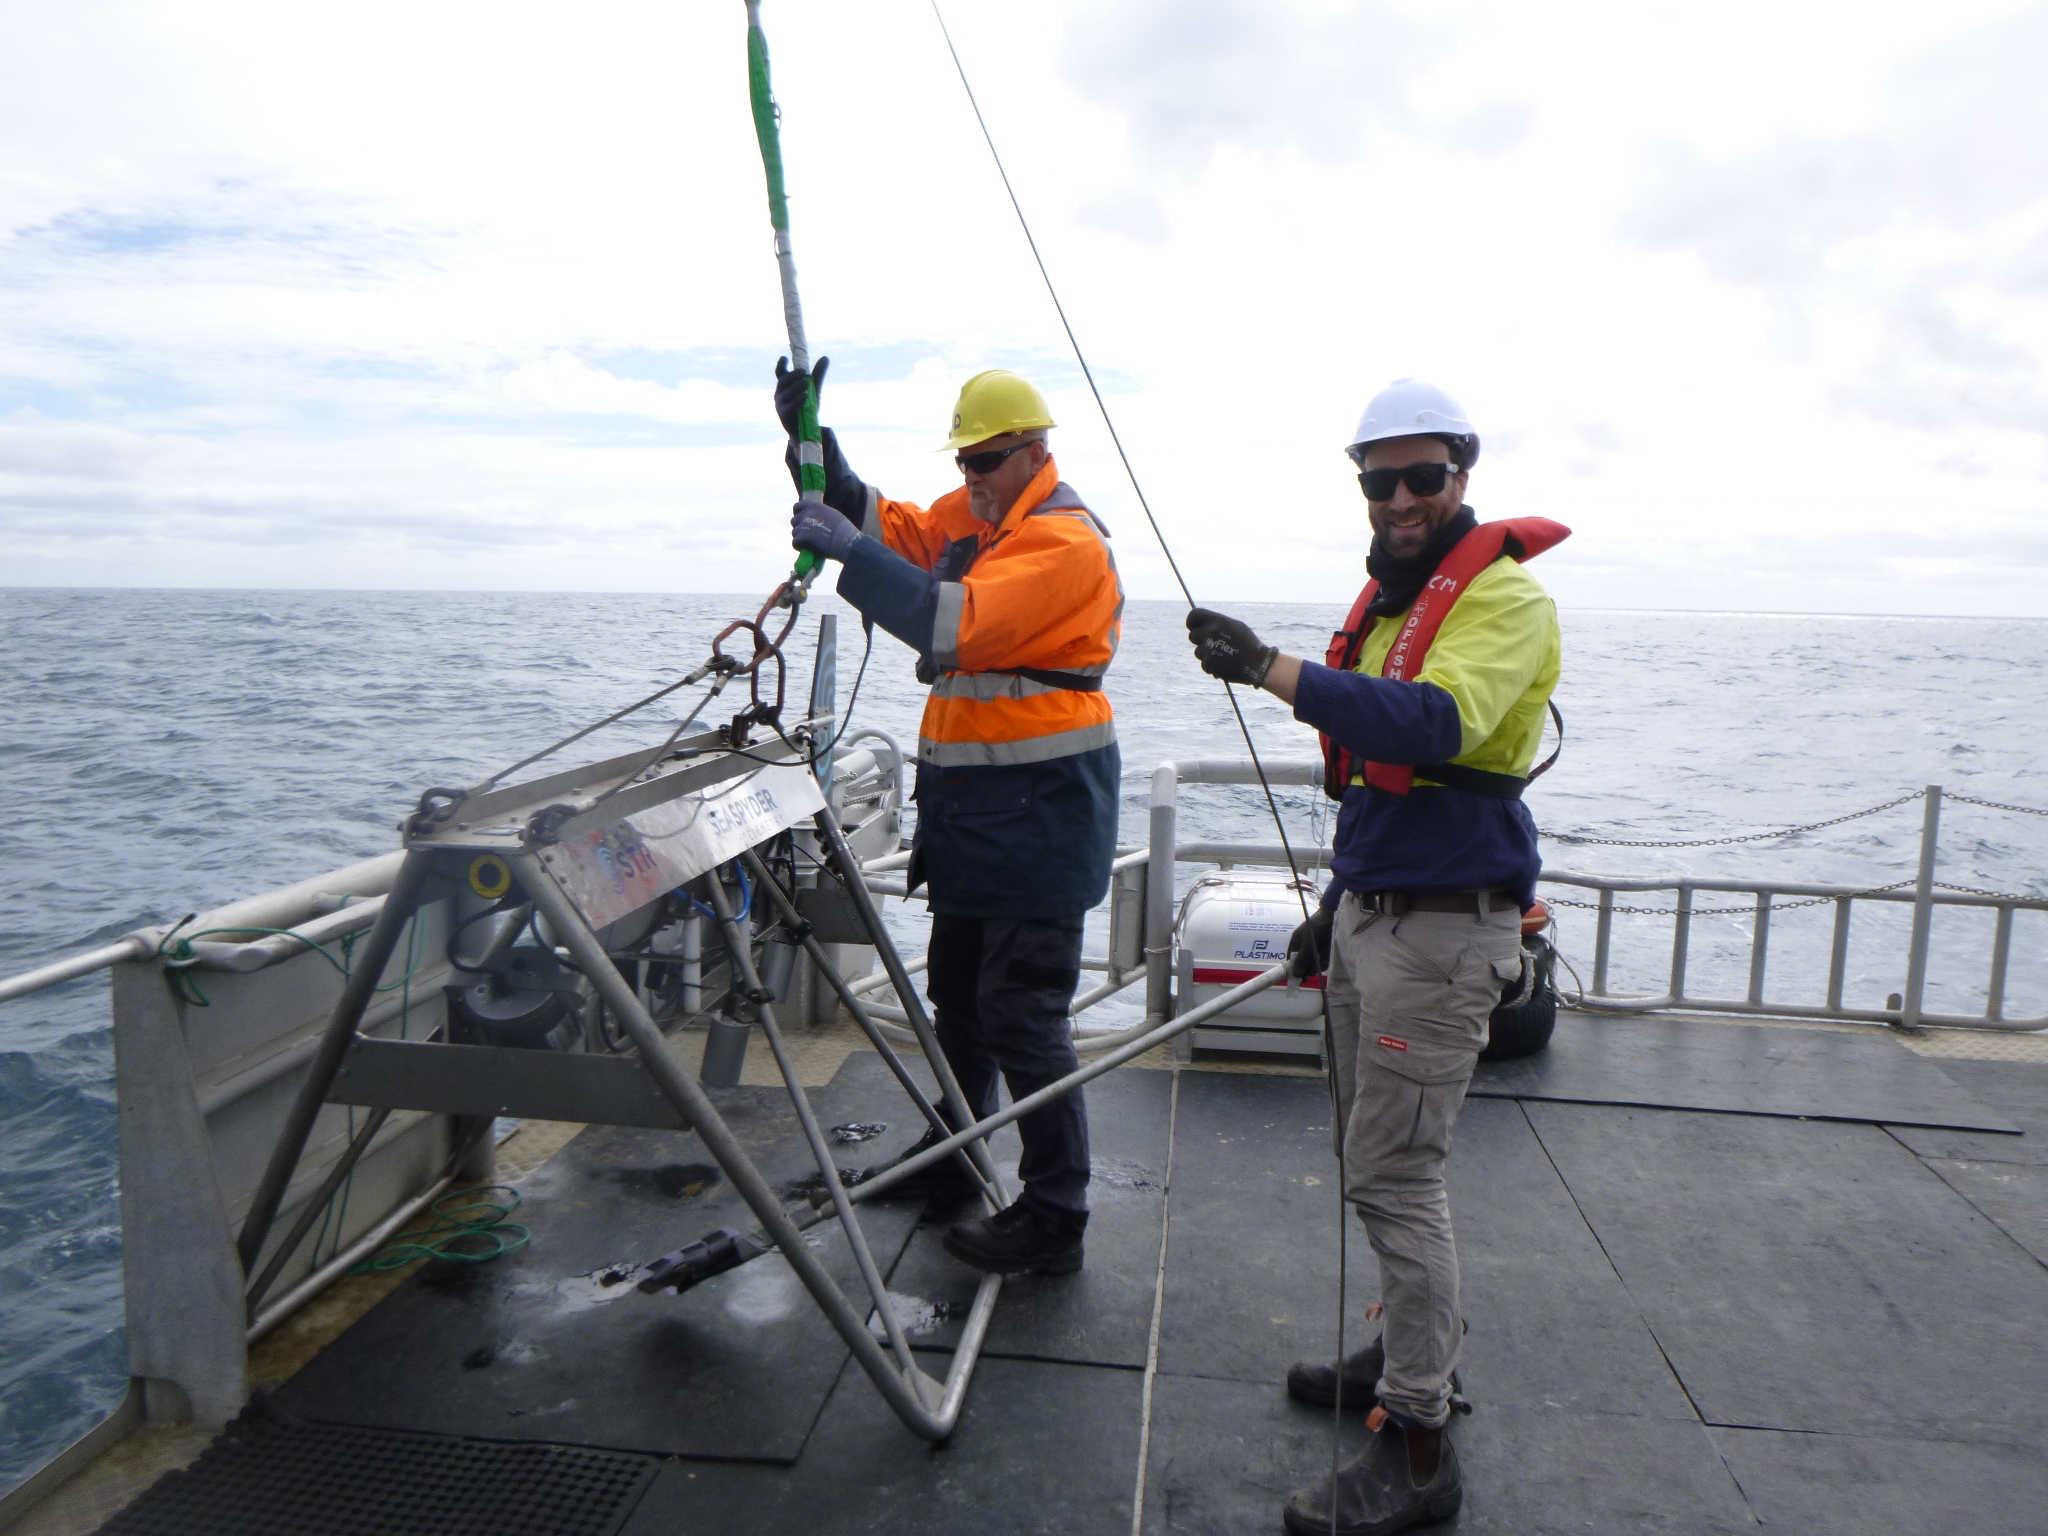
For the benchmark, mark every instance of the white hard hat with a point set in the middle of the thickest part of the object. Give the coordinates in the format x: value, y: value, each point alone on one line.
x: 1415, y: 408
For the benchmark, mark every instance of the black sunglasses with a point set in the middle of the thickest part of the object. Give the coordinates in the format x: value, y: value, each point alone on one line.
x: 1421, y: 479
x: 986, y: 463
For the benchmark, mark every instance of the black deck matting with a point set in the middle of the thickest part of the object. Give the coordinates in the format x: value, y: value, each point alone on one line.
x: 263, y: 1477
x: 1552, y: 1326
x: 1251, y: 1266
x: 2018, y: 1090
x: 1251, y: 1270
x: 523, y: 1348
x: 1226, y: 1455
x: 1103, y: 1315
x: 1748, y: 1069
x: 1041, y: 1450
x: 1811, y: 1276
x: 1840, y: 1485
x: 2013, y: 1196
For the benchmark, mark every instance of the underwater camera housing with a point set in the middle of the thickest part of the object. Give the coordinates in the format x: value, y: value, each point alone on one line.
x: 524, y: 998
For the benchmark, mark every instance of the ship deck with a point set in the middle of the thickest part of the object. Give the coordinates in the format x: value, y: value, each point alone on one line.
x: 1718, y: 1276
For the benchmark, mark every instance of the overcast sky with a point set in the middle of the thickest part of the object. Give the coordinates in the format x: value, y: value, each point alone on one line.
x: 435, y: 294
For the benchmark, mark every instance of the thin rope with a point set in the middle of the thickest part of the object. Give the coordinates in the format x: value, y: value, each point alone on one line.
x: 1158, y: 1311
x: 576, y: 736
x: 1053, y: 293
x: 1130, y: 472
x: 1343, y: 1234
x: 1229, y: 692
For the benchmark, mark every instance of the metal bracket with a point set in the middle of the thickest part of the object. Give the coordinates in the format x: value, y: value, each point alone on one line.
x: 499, y: 1080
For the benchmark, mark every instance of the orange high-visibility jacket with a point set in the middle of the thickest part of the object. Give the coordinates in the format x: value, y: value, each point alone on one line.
x: 1028, y: 618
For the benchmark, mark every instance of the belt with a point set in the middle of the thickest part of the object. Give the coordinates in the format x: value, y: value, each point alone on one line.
x: 1397, y: 903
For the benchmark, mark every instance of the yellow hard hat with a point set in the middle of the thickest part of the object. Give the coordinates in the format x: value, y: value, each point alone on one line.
x: 993, y: 403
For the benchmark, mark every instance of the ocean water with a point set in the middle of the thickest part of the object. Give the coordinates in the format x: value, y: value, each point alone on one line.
x: 167, y: 751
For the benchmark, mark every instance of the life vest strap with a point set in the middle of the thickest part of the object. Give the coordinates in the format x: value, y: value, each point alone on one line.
x: 1474, y: 781
x: 1518, y: 539
x: 1481, y: 781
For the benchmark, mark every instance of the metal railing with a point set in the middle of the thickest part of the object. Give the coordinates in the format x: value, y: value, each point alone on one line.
x: 1141, y: 939
x: 1909, y: 1014
x: 1904, y: 1010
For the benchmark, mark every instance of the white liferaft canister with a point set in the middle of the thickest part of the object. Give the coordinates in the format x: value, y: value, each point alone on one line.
x: 1233, y: 926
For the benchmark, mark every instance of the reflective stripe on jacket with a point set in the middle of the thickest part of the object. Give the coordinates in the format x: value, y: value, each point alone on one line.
x: 1014, y: 626
x: 1025, y: 622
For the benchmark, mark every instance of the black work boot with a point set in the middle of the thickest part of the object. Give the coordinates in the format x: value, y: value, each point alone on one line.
x: 1315, y: 1381
x: 945, y: 1183
x: 1408, y: 1476
x: 1022, y: 1238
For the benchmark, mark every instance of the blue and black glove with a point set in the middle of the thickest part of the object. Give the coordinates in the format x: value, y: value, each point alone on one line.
x: 843, y: 488
x: 789, y: 392
x: 821, y: 529
x: 1228, y: 649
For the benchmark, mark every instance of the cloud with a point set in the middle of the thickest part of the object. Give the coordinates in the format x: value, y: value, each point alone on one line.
x: 1911, y: 252
x: 1193, y: 76
x: 281, y: 305
x: 1961, y: 147
x: 1491, y: 129
x: 1131, y: 212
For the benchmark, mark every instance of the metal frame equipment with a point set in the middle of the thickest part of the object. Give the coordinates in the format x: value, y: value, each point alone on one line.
x: 581, y: 849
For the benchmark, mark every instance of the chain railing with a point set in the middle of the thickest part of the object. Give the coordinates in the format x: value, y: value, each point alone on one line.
x: 1999, y: 805
x: 1923, y: 892
x: 1747, y: 837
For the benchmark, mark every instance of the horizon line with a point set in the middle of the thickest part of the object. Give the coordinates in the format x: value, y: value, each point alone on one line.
x: 1788, y: 613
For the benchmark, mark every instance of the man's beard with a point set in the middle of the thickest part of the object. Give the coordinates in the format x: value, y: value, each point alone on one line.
x: 1401, y: 576
x: 1418, y: 537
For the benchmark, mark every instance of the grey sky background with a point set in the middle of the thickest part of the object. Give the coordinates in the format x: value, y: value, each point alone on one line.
x: 1754, y: 297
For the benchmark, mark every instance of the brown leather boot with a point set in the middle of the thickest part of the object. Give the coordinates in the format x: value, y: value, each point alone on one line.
x: 1408, y: 1476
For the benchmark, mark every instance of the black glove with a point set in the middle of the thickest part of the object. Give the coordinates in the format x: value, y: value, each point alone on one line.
x: 789, y: 391
x: 1308, y: 947
x: 820, y: 529
x: 843, y: 488
x: 1228, y: 649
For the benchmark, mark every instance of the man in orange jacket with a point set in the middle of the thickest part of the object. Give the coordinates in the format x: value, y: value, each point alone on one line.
x: 1006, y: 590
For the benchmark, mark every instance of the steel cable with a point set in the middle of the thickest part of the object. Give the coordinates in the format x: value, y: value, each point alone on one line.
x: 1101, y: 405
x: 1237, y: 710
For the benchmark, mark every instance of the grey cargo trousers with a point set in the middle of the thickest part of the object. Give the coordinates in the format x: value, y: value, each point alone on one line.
x: 1409, y: 999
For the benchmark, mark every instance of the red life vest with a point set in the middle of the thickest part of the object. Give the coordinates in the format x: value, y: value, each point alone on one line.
x: 1519, y: 538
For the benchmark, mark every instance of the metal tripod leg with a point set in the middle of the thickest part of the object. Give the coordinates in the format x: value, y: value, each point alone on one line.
x: 743, y: 962
x: 365, y: 969
x: 794, y: 921
x: 922, y: 1404
x: 913, y: 1005
x: 311, y: 1211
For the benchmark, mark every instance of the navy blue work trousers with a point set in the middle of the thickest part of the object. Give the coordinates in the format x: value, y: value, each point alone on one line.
x: 1000, y: 989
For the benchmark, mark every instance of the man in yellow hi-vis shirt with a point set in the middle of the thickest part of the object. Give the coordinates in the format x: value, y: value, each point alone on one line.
x: 1431, y: 704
